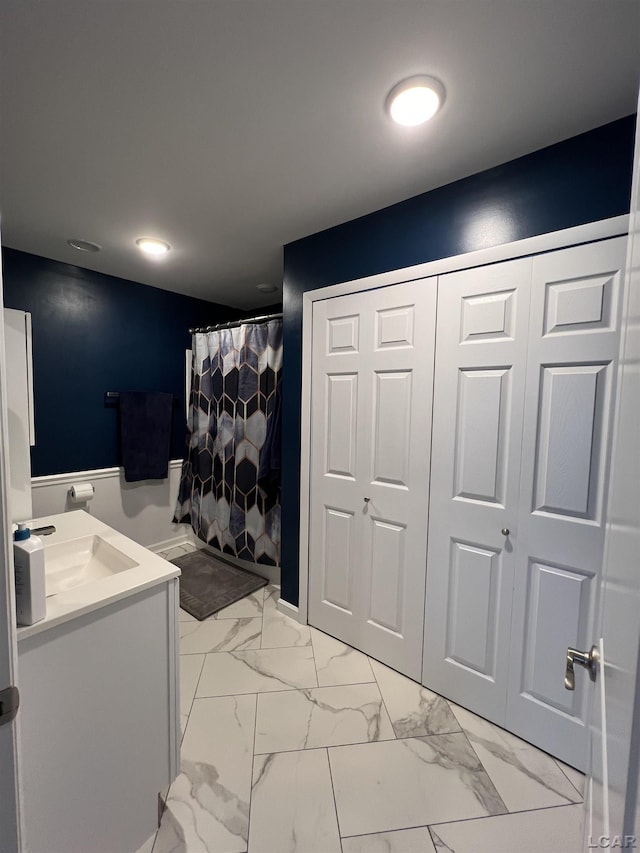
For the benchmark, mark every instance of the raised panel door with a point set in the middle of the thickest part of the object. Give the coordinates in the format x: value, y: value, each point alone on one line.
x: 335, y: 466
x: 572, y: 363
x: 481, y: 345
x: 372, y: 382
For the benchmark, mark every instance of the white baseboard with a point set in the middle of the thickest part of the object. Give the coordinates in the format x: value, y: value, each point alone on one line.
x: 289, y: 610
x: 166, y: 544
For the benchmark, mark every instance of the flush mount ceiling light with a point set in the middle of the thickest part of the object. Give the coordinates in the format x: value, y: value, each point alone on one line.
x: 151, y: 246
x: 266, y: 288
x: 415, y: 100
x: 84, y: 245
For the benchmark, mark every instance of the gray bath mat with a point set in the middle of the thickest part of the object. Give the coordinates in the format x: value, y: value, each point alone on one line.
x: 207, y: 584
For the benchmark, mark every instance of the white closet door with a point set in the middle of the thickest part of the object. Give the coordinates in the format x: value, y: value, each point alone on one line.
x: 483, y: 317
x: 372, y: 385
x: 572, y: 357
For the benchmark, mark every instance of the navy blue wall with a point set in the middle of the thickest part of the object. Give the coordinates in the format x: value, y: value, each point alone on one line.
x: 94, y: 333
x: 580, y: 180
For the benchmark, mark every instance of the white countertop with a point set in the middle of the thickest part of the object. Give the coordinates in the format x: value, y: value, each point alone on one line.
x: 150, y: 571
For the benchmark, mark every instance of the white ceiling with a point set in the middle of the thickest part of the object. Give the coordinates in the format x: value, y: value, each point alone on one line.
x: 231, y: 127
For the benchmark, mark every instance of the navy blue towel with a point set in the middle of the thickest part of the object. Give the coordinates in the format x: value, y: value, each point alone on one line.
x: 145, y: 430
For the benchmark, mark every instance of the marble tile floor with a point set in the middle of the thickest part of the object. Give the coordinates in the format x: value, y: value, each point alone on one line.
x: 296, y: 743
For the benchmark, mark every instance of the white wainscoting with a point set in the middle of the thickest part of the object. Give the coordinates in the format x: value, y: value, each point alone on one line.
x: 142, y: 511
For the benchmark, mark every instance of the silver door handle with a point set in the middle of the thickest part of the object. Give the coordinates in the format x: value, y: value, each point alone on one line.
x: 366, y: 500
x: 505, y: 531
x: 589, y: 660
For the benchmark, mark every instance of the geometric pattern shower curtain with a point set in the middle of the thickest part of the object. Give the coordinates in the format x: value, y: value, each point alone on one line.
x: 230, y: 486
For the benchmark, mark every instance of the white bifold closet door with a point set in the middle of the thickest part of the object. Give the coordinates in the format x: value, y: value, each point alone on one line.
x: 571, y: 375
x: 481, y: 350
x: 371, y: 398
x: 525, y: 369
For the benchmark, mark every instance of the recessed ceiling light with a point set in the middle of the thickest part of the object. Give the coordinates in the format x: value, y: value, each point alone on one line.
x: 151, y: 246
x: 415, y: 100
x: 84, y: 245
x: 266, y: 288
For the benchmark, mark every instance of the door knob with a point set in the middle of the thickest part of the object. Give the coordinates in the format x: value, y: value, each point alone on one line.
x: 505, y: 531
x: 366, y: 500
x: 589, y: 660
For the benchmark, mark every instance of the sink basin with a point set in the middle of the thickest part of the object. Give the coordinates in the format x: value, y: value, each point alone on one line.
x: 80, y: 561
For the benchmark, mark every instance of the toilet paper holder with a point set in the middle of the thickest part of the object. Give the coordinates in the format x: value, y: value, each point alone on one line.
x: 81, y: 492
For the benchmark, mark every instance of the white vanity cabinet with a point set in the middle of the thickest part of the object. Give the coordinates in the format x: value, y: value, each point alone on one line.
x: 99, y: 716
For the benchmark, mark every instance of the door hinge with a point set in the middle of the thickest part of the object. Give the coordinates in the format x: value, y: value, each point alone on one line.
x: 9, y: 704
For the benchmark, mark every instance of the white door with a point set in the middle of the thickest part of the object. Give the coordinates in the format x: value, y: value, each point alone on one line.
x: 483, y: 317
x: 9, y: 791
x: 614, y: 799
x: 372, y: 380
x: 571, y: 371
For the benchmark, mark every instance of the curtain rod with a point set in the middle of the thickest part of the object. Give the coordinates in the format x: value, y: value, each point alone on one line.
x: 233, y: 323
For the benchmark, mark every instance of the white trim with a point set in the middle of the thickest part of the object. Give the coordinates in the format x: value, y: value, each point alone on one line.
x: 182, y: 538
x: 12, y: 802
x: 588, y: 233
x: 94, y: 474
x: 305, y: 460
x: 173, y: 656
x: 289, y: 610
x: 142, y: 511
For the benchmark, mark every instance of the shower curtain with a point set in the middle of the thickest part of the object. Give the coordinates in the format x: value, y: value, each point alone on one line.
x: 230, y: 486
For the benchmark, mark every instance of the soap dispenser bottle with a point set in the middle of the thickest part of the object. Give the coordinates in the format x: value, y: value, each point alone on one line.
x: 28, y: 561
